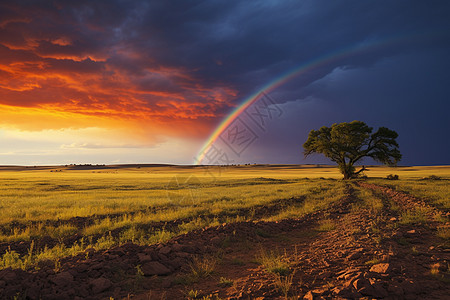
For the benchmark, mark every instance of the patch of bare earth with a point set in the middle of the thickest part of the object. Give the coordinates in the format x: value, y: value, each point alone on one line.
x: 340, y: 252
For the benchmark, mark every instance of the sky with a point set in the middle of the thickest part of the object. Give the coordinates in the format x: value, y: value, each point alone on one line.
x: 107, y: 82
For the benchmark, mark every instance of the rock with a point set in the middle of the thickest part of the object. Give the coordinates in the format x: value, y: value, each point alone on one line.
x: 379, y: 290
x: 367, y: 291
x: 97, y: 266
x: 409, y: 287
x: 144, y: 258
x: 46, y: 291
x: 71, y: 291
x: 165, y: 250
x: 440, y: 266
x: 385, y: 257
x: 319, y: 291
x: 175, y: 263
x: 216, y: 241
x: 62, y: 279
x: 33, y: 293
x: 395, y: 290
x: 166, y: 283
x: 154, y: 268
x: 8, y: 274
x: 100, y: 285
x: 345, y: 293
x: 82, y: 268
x: 58, y: 295
x: 94, y: 273
x: 177, y: 248
x: 354, y: 255
x: 351, y: 278
x: 83, y: 290
x: 309, y: 296
x: 190, y: 249
x: 326, y: 274
x: 337, y: 291
x: 364, y: 287
x: 382, y: 268
x: 398, y: 234
x: 162, y: 257
x: 361, y: 283
x: 73, y: 272
x: 343, y: 274
x: 182, y: 254
x: 112, y: 256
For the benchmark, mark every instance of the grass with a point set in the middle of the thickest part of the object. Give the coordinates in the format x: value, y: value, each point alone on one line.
x: 402, y: 241
x: 416, y: 216
x: 279, y: 265
x: 366, y: 200
x: 326, y: 225
x: 120, y: 208
x: 274, y: 262
x: 106, y: 208
x: 193, y: 294
x: 443, y: 232
x: 237, y: 262
x: 284, y: 283
x: 202, y: 267
x: 225, y: 282
x: 372, y: 262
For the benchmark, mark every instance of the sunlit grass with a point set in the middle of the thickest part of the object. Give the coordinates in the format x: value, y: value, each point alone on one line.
x: 121, y: 206
x: 443, y: 232
x: 367, y: 200
x: 416, y: 216
x: 326, y: 225
x: 274, y: 261
x: 202, y: 267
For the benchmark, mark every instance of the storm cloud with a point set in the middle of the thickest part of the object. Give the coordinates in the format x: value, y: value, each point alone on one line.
x: 182, y: 66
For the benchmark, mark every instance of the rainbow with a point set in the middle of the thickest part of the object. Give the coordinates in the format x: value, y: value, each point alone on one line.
x: 297, y: 71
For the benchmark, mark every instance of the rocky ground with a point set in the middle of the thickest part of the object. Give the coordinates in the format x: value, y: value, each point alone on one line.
x: 363, y: 253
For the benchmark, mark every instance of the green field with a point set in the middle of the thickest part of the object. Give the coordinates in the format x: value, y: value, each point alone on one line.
x: 56, y: 212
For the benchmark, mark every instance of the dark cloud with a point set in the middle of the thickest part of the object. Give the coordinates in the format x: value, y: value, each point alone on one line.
x: 198, y: 59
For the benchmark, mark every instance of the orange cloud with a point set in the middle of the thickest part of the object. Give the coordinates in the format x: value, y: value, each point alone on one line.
x: 40, y: 92
x: 60, y: 70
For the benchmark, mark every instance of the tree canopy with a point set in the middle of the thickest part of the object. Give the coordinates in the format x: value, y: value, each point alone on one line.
x: 348, y: 143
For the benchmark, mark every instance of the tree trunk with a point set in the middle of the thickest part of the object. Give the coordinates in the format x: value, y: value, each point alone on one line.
x: 347, y: 175
x: 348, y: 171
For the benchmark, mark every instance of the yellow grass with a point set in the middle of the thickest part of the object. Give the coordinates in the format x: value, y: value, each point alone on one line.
x: 37, y: 202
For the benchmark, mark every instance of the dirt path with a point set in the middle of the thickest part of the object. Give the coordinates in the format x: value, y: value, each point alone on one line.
x: 349, y: 250
x: 368, y: 254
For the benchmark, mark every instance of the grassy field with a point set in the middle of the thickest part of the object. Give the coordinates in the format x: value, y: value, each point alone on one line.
x: 61, y: 211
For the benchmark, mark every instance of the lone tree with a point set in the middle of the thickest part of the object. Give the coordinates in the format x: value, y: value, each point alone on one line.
x: 347, y: 143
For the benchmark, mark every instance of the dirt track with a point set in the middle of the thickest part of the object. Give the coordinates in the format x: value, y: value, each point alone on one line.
x: 368, y: 254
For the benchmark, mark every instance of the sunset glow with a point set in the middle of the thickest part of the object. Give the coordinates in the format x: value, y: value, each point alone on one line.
x: 140, y: 76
